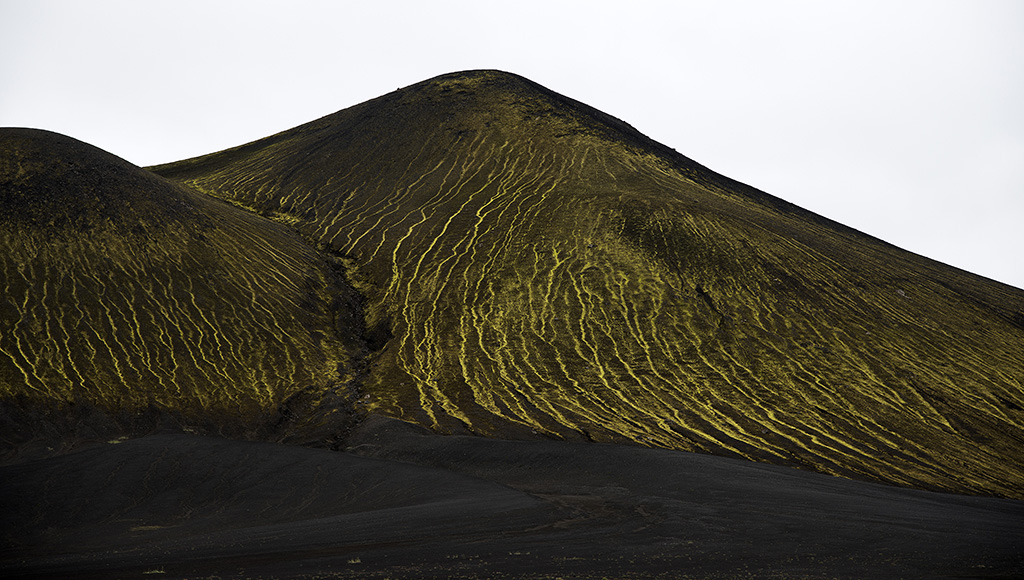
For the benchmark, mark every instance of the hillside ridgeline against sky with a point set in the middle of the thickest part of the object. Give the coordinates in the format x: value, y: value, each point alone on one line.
x: 543, y: 270
x: 125, y: 294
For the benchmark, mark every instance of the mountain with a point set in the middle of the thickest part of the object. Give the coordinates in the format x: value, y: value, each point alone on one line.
x: 534, y: 268
x: 130, y: 300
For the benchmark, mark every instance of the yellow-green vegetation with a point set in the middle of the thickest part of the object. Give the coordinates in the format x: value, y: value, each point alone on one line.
x: 123, y: 291
x: 544, y: 268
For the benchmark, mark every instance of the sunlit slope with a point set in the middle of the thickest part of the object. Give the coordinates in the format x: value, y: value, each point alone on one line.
x: 542, y: 267
x: 124, y: 291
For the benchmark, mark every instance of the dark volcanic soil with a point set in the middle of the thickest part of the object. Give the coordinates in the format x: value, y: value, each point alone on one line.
x: 407, y: 504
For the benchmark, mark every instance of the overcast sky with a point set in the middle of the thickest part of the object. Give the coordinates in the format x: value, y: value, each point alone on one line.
x: 904, y: 120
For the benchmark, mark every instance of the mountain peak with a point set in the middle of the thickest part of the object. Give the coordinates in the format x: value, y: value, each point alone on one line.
x: 48, y: 180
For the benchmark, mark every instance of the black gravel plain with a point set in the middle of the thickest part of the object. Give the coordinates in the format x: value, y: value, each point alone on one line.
x: 405, y: 503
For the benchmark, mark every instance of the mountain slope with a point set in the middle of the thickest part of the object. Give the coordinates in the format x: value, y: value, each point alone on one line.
x: 545, y: 270
x: 125, y: 293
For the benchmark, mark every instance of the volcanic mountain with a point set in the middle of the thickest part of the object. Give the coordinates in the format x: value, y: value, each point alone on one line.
x: 127, y: 297
x: 535, y: 268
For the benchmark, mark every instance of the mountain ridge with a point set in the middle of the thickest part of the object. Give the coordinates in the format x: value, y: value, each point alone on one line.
x: 209, y: 162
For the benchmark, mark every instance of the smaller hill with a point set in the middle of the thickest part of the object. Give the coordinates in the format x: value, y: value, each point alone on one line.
x: 127, y: 296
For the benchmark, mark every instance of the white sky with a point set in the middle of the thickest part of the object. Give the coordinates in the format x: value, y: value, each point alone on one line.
x: 903, y: 119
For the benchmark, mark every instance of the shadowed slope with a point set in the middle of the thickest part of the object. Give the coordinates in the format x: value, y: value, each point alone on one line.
x: 123, y: 291
x: 545, y: 269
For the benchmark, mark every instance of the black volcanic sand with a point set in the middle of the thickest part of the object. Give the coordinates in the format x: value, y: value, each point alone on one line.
x: 403, y: 503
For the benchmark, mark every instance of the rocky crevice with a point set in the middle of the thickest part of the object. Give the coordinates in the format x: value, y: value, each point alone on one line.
x: 325, y: 418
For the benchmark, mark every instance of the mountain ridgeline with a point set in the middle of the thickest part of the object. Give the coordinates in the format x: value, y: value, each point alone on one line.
x: 529, y: 267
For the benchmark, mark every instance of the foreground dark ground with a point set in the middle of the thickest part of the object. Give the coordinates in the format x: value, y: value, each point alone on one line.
x: 403, y: 503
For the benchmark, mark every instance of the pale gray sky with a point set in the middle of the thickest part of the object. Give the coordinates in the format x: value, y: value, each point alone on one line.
x: 899, y: 118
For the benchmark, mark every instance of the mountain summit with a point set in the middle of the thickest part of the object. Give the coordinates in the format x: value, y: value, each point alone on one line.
x: 533, y: 267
